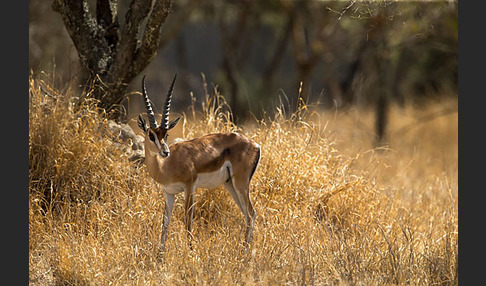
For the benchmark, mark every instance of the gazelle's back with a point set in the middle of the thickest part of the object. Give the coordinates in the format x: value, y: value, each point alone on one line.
x: 220, y: 147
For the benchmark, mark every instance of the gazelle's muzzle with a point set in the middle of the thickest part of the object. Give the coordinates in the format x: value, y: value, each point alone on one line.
x: 164, y: 152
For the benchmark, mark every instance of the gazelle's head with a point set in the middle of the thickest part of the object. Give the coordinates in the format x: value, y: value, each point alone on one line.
x: 155, y: 135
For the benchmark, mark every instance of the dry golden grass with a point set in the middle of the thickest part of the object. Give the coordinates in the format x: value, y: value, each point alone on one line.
x: 331, y: 209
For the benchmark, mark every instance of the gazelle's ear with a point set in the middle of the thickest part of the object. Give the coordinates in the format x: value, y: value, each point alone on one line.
x: 141, y: 123
x: 173, y: 123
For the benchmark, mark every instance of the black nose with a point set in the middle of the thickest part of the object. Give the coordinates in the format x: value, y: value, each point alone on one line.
x: 165, y: 153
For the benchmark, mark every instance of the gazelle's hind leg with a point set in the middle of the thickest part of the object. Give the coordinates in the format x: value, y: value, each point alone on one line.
x: 229, y: 187
x: 189, y: 210
x: 239, y: 191
x: 250, y: 217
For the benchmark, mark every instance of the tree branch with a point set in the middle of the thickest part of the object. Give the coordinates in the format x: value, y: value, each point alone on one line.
x: 106, y: 12
x: 127, y: 46
x: 151, y: 35
x: 84, y: 32
x: 107, y: 18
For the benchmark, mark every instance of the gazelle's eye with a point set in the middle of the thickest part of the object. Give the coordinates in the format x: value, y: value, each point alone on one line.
x: 151, y: 137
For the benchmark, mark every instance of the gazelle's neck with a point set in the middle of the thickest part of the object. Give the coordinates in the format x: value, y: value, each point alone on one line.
x: 155, y: 164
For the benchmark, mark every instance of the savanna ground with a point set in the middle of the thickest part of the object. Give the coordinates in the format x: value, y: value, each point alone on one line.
x: 332, y: 210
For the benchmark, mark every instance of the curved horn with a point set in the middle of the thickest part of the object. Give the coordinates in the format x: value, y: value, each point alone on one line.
x: 165, y: 115
x: 150, y: 112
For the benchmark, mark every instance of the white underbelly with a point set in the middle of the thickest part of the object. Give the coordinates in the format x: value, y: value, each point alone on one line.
x: 214, y: 179
x: 204, y: 180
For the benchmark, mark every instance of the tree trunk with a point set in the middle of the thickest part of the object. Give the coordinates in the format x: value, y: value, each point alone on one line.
x: 112, y: 54
x: 381, y: 120
x: 234, y: 42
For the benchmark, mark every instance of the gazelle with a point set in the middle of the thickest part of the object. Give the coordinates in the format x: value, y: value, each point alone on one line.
x: 228, y: 159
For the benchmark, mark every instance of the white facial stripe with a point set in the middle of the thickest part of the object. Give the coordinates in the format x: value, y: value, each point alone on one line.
x: 160, y: 146
x: 157, y: 142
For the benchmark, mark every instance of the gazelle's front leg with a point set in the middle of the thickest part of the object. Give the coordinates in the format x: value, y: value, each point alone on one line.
x: 169, y: 205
